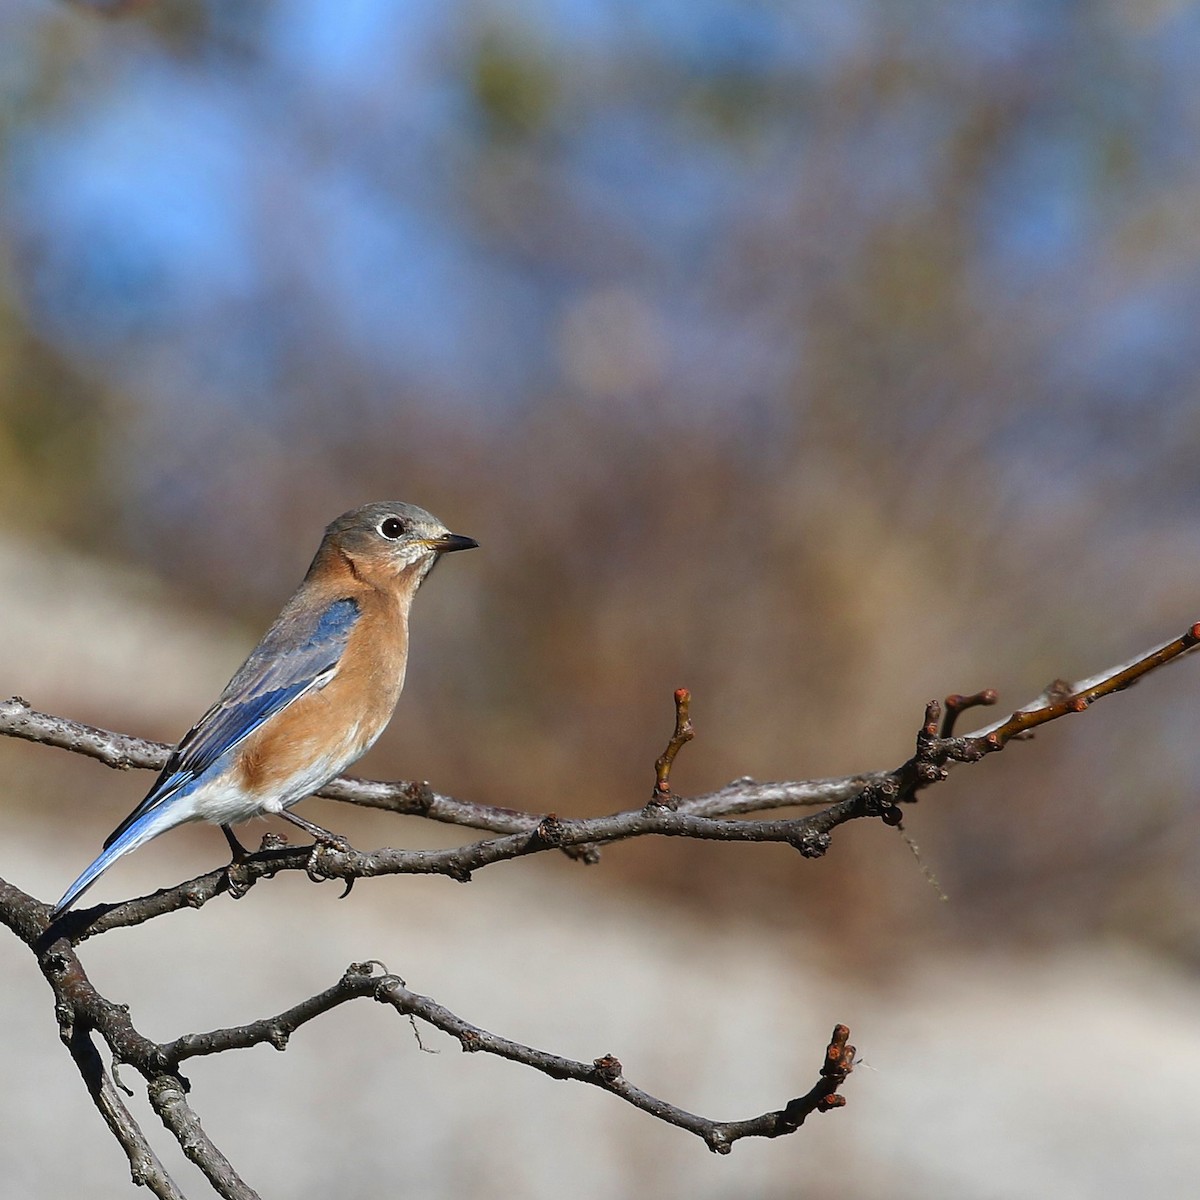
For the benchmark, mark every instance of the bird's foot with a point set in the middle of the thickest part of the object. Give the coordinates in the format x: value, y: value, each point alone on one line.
x: 237, y: 883
x: 239, y: 852
x: 335, y: 841
x: 314, y: 870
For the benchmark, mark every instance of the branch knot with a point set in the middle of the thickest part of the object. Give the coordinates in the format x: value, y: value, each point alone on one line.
x: 608, y: 1068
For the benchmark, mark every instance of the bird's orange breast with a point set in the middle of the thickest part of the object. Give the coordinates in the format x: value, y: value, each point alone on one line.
x: 324, y: 731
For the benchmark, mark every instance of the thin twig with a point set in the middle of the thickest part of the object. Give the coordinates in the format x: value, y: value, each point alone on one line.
x: 1060, y: 699
x: 684, y: 732
x: 606, y: 1073
x: 361, y: 982
x: 956, y: 704
x: 824, y: 1095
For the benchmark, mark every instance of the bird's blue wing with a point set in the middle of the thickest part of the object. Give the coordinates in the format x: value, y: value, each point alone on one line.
x: 300, y: 652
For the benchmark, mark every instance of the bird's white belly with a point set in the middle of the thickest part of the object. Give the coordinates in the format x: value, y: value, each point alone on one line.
x: 224, y: 800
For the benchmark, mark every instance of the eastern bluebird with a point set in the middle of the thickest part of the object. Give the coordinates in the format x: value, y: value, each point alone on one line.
x: 312, y: 697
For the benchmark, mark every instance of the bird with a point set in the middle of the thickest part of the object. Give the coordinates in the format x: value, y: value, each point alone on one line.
x: 312, y: 697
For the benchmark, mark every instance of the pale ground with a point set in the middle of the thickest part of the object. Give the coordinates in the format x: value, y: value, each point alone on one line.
x: 1075, y: 1075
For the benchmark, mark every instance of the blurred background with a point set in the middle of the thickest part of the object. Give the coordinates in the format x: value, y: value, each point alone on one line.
x: 821, y: 358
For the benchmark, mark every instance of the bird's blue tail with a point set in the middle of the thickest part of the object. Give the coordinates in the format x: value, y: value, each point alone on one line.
x: 136, y: 835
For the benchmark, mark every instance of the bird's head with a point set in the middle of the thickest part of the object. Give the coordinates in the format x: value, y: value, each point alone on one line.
x: 389, y: 542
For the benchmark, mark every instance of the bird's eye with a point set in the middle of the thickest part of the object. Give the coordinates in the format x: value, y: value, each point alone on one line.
x: 393, y: 527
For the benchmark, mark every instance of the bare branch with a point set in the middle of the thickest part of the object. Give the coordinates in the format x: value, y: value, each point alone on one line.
x: 410, y: 797
x: 144, y: 1166
x: 166, y: 1094
x: 274, y: 1031
x: 740, y: 797
x: 82, y: 1011
x: 605, y: 1072
x: 878, y: 794
x: 1061, y: 698
x: 117, y: 750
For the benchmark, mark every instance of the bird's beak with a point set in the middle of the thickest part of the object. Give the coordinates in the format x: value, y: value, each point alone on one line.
x: 451, y: 541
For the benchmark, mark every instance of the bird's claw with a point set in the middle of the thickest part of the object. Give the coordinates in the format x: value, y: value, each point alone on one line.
x: 237, y: 887
x: 313, y: 867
